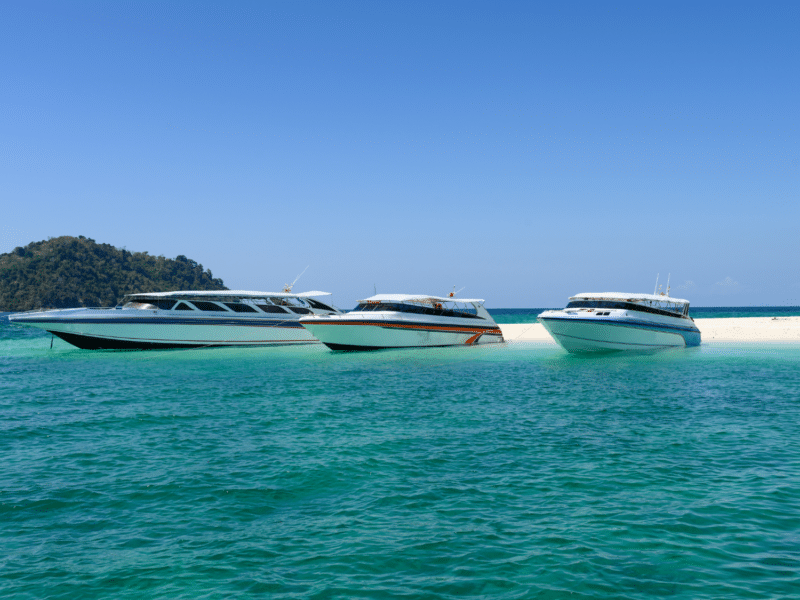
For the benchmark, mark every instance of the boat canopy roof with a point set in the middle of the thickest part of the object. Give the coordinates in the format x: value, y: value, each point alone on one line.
x: 621, y: 296
x: 422, y: 298
x: 228, y: 294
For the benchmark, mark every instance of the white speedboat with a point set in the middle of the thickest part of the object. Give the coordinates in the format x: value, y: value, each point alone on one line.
x: 185, y: 320
x: 618, y: 321
x: 406, y: 321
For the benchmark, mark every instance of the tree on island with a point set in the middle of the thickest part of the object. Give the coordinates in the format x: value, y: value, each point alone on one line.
x: 66, y: 272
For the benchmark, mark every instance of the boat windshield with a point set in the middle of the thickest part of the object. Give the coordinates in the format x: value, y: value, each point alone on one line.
x: 420, y: 309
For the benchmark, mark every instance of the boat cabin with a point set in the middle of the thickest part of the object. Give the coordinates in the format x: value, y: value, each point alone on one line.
x: 227, y: 302
x: 424, y: 305
x: 659, y: 304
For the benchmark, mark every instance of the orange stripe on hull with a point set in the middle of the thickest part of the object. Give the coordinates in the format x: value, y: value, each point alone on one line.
x: 451, y: 328
x: 473, y: 339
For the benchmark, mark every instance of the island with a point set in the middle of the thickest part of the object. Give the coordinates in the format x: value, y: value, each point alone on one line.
x: 67, y: 272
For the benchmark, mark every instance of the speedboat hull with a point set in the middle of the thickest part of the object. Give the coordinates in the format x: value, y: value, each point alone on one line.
x: 348, y: 332
x: 593, y: 334
x: 97, y: 329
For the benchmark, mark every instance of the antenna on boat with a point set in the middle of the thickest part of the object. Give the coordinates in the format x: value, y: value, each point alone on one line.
x: 668, y: 284
x: 454, y: 292
x: 655, y: 289
x: 287, y: 289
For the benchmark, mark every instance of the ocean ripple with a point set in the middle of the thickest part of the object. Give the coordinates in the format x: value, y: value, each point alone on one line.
x: 507, y: 472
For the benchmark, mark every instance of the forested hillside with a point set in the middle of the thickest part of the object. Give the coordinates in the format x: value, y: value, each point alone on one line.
x: 67, y: 271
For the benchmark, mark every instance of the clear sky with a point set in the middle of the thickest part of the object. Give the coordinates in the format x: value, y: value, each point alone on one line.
x: 525, y: 151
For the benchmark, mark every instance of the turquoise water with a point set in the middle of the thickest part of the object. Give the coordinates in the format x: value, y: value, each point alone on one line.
x: 515, y: 471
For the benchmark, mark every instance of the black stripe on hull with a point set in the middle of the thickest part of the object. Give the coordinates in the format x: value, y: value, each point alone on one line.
x: 85, y: 342
x: 349, y: 348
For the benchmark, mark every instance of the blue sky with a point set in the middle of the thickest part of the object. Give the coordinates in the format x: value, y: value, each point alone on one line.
x: 523, y: 151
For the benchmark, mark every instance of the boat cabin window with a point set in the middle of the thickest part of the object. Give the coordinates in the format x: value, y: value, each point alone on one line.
x: 208, y: 306
x: 288, y: 301
x: 319, y: 305
x: 150, y: 304
x: 300, y: 310
x: 240, y: 308
x: 665, y: 304
x: 670, y: 309
x: 270, y: 308
x: 417, y: 309
x: 183, y: 306
x: 141, y: 305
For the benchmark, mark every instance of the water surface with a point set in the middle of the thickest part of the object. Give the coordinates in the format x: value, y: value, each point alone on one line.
x: 515, y: 471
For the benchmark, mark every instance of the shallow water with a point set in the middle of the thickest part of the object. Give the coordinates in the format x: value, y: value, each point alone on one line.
x: 515, y: 471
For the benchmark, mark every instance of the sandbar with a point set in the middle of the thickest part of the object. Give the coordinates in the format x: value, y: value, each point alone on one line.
x: 748, y: 329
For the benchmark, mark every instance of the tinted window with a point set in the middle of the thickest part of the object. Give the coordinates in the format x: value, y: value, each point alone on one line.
x: 161, y: 303
x: 208, y: 306
x: 183, y: 306
x: 240, y: 308
x: 416, y: 309
x: 620, y: 305
x: 268, y: 308
x: 164, y: 304
x: 299, y: 310
x: 319, y: 305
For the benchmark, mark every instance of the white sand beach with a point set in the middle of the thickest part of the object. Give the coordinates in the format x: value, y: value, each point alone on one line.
x: 752, y: 329
x: 525, y: 332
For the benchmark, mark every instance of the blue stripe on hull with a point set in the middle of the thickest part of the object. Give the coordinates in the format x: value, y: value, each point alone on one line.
x: 691, y: 336
x: 168, y: 321
x: 631, y: 344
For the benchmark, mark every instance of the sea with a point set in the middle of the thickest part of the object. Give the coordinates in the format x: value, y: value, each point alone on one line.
x: 511, y: 471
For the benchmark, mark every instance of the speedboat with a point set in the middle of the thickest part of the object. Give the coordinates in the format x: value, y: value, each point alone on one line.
x: 619, y: 321
x: 406, y: 321
x: 185, y: 320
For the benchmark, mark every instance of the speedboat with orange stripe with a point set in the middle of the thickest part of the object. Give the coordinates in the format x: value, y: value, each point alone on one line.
x: 406, y: 321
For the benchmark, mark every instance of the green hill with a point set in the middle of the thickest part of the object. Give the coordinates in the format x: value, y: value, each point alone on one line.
x: 66, y: 272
